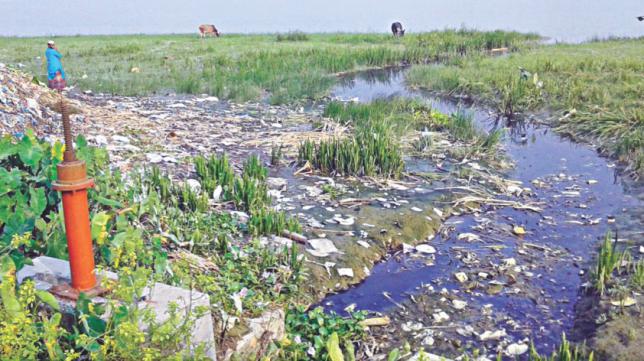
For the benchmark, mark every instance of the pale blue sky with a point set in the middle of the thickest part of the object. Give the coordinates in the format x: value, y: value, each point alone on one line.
x: 569, y: 20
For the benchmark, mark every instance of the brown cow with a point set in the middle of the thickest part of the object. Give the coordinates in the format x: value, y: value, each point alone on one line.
x: 208, y: 29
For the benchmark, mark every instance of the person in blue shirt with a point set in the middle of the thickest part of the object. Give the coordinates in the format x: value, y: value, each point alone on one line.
x: 54, y: 66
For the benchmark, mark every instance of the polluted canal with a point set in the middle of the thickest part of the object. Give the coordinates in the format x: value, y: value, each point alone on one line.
x: 496, y: 278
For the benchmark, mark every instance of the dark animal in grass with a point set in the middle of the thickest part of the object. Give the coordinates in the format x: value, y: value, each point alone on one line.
x: 397, y: 29
x: 205, y: 30
x: 640, y: 18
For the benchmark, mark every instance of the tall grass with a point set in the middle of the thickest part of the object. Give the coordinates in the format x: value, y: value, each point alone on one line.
x: 241, y: 67
x: 595, y: 90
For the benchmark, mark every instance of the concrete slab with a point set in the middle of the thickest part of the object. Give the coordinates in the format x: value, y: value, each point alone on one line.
x: 47, y: 272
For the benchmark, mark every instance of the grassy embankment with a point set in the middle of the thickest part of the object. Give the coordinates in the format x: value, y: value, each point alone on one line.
x: 241, y: 67
x: 595, y: 90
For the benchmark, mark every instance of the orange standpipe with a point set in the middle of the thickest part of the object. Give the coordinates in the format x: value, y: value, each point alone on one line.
x: 73, y: 183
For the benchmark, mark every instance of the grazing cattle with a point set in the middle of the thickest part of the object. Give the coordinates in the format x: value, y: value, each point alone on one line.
x: 208, y: 29
x: 397, y: 29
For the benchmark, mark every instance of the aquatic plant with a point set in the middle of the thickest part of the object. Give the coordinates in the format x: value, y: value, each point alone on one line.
x: 370, y: 152
x: 215, y: 171
x: 565, y: 352
x: 608, y: 260
x: 422, y: 143
x: 276, y: 154
x: 637, y: 275
x: 267, y: 221
x: 250, y: 194
x: 461, y: 126
x: 253, y: 168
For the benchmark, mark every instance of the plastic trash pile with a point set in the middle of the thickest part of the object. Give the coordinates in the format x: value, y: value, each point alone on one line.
x: 23, y: 105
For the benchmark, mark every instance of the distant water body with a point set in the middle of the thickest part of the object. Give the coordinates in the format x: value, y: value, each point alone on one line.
x: 561, y: 20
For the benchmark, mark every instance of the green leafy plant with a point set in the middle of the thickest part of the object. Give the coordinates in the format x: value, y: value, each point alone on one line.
x: 264, y: 221
x: 253, y: 168
x: 608, y: 260
x: 276, y: 154
x: 565, y: 352
x: 326, y: 333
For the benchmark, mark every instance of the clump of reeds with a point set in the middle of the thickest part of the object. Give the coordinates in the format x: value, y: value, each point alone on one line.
x: 253, y: 168
x: 565, y: 352
x: 250, y: 194
x: 608, y: 260
x: 371, y: 151
x: 292, y: 36
x: 215, y: 171
x: 276, y: 154
x: 268, y: 221
x: 461, y: 126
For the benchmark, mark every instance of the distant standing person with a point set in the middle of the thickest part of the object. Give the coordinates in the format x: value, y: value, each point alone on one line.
x: 55, y: 73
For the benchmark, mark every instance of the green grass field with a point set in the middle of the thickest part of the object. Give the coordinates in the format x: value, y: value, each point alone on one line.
x: 594, y: 90
x: 241, y: 67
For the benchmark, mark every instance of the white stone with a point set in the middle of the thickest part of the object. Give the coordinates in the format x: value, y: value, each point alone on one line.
x: 269, y: 326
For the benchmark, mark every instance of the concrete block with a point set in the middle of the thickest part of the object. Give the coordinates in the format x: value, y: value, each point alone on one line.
x: 47, y: 272
x: 261, y: 331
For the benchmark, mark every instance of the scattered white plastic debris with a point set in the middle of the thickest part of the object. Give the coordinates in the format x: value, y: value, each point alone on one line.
x: 425, y: 248
x: 460, y: 277
x: 492, y: 335
x: 516, y: 349
x: 345, y: 272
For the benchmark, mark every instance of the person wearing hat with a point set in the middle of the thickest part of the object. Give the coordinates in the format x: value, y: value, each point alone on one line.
x: 55, y: 72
